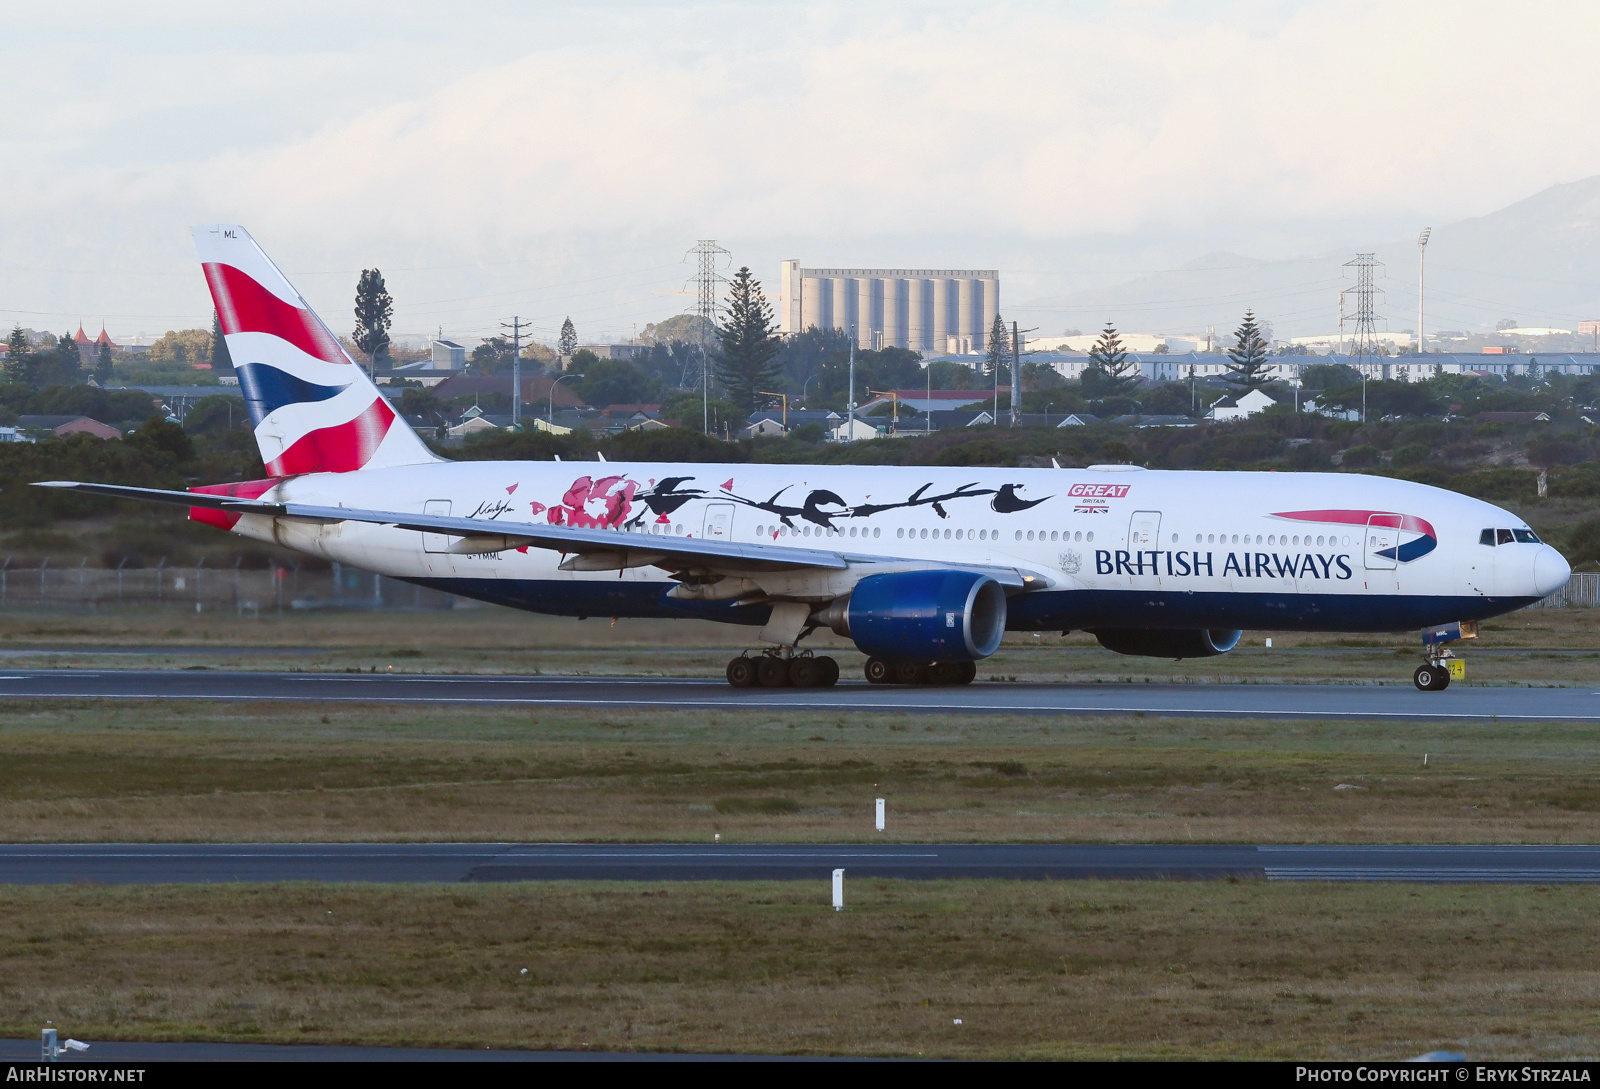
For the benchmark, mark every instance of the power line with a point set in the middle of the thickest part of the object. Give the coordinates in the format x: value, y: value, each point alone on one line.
x: 1364, y: 344
x: 706, y: 279
x: 515, y: 325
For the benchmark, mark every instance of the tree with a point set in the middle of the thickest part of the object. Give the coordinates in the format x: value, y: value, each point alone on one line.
x: 59, y: 366
x: 1248, y: 369
x: 1114, y: 373
x: 493, y: 356
x: 806, y: 355
x: 104, y: 371
x: 999, y: 348
x: 374, y: 313
x: 746, y: 358
x: 17, y: 352
x: 220, y: 359
x: 616, y: 381
x: 567, y: 342
x: 218, y: 412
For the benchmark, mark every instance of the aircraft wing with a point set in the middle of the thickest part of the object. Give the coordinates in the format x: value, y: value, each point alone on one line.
x: 478, y: 535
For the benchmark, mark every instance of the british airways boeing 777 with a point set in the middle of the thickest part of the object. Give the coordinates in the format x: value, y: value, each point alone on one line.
x: 924, y: 569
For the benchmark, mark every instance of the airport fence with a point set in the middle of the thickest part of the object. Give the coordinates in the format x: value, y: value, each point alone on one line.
x: 202, y: 589
x: 1582, y: 590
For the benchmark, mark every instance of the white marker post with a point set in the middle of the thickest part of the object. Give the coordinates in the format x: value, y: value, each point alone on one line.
x: 838, y: 890
x: 880, y: 814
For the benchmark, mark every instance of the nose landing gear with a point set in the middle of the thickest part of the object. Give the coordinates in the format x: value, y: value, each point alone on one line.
x: 1440, y: 665
x: 1431, y: 678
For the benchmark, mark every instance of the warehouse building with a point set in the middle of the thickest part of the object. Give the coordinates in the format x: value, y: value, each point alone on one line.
x: 927, y: 310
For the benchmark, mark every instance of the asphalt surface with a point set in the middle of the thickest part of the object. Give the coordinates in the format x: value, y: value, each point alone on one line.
x: 190, y: 863
x: 1399, y: 700
x: 135, y: 1052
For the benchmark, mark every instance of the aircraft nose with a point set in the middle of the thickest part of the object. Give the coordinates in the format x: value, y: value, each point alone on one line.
x: 1550, y: 571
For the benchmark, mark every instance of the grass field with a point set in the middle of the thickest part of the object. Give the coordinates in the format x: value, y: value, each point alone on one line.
x: 228, y: 771
x: 1071, y: 969
x: 1534, y: 646
x: 1031, y: 969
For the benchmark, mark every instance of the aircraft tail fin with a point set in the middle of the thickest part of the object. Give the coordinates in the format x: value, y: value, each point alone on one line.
x: 313, y: 408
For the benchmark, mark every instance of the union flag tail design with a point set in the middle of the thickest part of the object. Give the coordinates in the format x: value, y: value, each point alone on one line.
x: 314, y: 409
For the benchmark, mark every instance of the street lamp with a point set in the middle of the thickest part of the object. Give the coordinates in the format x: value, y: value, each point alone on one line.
x: 807, y: 385
x: 1422, y: 253
x: 549, y: 416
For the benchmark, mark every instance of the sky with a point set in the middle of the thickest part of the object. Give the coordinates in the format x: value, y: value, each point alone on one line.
x: 547, y: 160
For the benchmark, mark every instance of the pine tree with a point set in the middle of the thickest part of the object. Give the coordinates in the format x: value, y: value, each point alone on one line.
x: 220, y: 359
x: 1117, y: 373
x: 17, y: 352
x: 1248, y: 369
x: 104, y: 372
x: 567, y: 343
x: 374, y: 312
x: 62, y: 367
x: 998, y: 350
x: 746, y: 359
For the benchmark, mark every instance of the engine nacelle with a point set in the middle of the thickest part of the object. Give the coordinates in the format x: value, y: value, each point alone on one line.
x: 1205, y: 643
x: 927, y: 616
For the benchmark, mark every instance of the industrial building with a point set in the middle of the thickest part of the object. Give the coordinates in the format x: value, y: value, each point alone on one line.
x: 927, y: 310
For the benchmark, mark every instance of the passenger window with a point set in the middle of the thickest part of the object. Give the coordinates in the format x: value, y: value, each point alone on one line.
x: 1486, y: 538
x: 1504, y: 536
x: 1526, y: 536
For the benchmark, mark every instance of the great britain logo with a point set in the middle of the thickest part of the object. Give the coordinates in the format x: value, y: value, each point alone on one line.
x: 1095, y: 498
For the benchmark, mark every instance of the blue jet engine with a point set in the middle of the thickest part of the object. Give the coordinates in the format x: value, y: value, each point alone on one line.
x: 925, y: 616
x: 1206, y: 643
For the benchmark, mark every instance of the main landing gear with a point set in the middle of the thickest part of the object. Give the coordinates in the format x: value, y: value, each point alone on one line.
x: 774, y: 671
x: 907, y: 671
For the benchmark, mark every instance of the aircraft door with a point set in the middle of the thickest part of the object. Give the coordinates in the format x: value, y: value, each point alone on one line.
x: 1144, y: 543
x: 436, y: 542
x: 1383, y: 540
x: 719, y: 522
x: 1144, y: 529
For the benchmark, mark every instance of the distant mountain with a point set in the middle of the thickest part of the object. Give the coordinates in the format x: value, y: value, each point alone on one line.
x: 1536, y: 262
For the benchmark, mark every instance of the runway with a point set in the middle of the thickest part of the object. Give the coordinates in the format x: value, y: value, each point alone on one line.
x: 189, y: 863
x: 1398, y: 700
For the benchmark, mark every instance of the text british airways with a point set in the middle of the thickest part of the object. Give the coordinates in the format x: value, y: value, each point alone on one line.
x: 1250, y: 565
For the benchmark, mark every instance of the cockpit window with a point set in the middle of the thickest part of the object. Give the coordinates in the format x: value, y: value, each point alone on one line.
x: 1505, y: 536
x: 1486, y: 538
x: 1526, y: 536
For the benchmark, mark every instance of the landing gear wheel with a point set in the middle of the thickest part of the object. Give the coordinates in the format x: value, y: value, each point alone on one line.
x: 877, y: 671
x: 969, y: 673
x: 803, y: 673
x: 741, y: 672
x: 908, y: 672
x: 944, y: 673
x: 1431, y: 678
x: 772, y: 672
x: 828, y: 670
